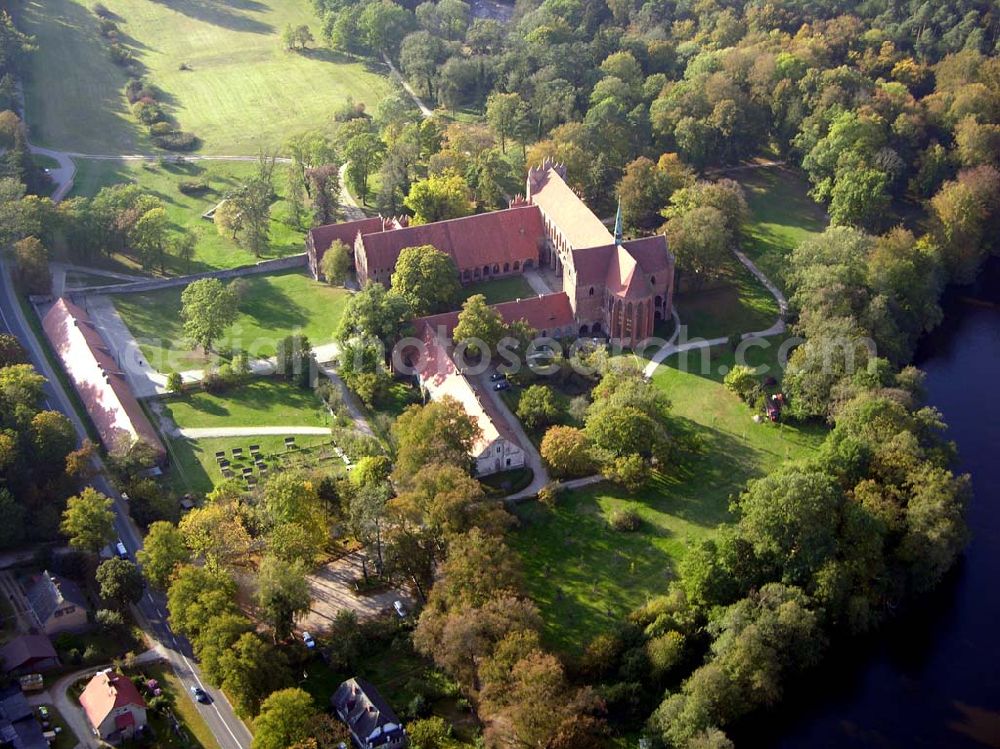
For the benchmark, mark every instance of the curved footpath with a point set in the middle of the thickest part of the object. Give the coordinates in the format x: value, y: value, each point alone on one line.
x: 778, y: 328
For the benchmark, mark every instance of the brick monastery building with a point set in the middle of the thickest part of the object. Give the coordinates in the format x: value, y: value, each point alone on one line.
x: 612, y: 287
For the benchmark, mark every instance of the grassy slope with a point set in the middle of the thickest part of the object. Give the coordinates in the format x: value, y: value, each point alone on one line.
x: 273, y: 307
x: 242, y: 90
x: 161, y: 180
x: 501, y: 290
x: 782, y: 215
x: 742, y: 305
x: 584, y: 575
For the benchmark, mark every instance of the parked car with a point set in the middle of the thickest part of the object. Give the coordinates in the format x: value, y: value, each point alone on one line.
x: 497, y: 376
x: 308, y: 641
x: 200, y: 695
x: 400, y: 609
x: 121, y: 550
x: 502, y: 385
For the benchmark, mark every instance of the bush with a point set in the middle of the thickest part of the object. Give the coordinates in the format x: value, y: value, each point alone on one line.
x: 174, y: 383
x: 120, y: 55
x: 101, y: 11
x: 665, y: 652
x: 191, y: 187
x: 430, y: 733
x: 630, y: 471
x: 177, y: 141
x: 147, y: 111
x: 742, y: 381
x: 92, y: 654
x: 134, y: 90
x: 419, y: 707
x: 548, y: 495
x: 626, y: 521
x: 108, y: 28
x: 214, y: 383
x: 161, y: 128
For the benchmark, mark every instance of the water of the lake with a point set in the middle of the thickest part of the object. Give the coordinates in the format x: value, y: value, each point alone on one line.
x: 932, y: 680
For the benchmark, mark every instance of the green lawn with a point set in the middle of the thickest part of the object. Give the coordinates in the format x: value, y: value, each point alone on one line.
x: 500, y: 290
x: 162, y: 179
x: 193, y: 467
x: 264, y: 401
x: 271, y: 308
x: 741, y: 305
x: 782, y: 216
x: 240, y: 90
x: 586, y: 576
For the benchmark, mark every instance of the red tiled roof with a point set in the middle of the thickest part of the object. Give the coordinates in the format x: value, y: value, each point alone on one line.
x: 440, y: 375
x: 324, y: 236
x: 651, y: 253
x: 546, y: 312
x: 625, y: 278
x: 567, y: 211
x: 107, y: 691
x: 474, y: 241
x: 599, y: 265
x: 98, y: 379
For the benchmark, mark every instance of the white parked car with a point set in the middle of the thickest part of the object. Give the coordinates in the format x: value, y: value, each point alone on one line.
x: 308, y: 640
x: 400, y: 609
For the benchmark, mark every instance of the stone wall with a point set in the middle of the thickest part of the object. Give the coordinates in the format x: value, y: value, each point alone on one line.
x: 264, y: 266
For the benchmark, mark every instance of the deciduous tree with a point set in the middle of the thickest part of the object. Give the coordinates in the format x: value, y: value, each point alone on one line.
x: 208, y: 308
x: 426, y: 279
x: 89, y: 521
x: 163, y: 551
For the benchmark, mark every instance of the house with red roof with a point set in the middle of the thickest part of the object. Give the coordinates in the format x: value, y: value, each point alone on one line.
x: 614, y: 287
x: 98, y: 379
x: 113, y: 706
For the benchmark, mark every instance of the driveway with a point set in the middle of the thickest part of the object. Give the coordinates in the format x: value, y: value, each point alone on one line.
x: 532, y: 459
x: 332, y: 590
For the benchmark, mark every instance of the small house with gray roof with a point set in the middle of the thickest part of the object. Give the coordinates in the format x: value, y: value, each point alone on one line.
x: 372, y: 723
x: 57, y: 605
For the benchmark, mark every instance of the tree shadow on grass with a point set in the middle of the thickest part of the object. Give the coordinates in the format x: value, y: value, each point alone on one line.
x: 272, y: 308
x: 584, y: 575
x: 224, y: 13
x: 188, y: 472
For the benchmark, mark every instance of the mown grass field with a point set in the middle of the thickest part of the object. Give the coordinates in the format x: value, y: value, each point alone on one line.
x: 263, y: 401
x: 584, y: 575
x: 193, y: 467
x: 271, y: 308
x: 500, y: 290
x: 162, y: 179
x: 782, y: 216
x: 741, y: 305
x: 239, y: 88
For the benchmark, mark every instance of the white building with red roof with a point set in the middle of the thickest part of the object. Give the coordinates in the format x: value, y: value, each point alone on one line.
x: 98, y: 378
x: 113, y: 706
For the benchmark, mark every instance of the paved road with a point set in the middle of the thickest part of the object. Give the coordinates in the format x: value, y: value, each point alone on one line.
x: 532, y: 458
x: 229, y: 730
